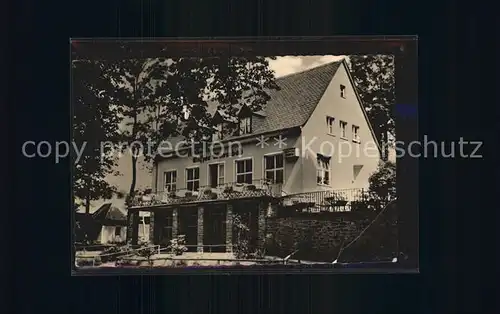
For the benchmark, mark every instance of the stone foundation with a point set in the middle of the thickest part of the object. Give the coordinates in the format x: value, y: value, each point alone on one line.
x: 200, y: 230
x: 261, y: 234
x: 152, y: 228
x: 229, y: 228
x: 175, y: 223
x: 321, y: 237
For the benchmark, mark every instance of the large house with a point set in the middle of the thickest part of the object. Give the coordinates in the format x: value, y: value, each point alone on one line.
x: 312, y: 136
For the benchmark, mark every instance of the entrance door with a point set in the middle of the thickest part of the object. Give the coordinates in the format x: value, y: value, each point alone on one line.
x: 216, y: 174
x: 163, y: 228
x: 215, y: 229
x: 188, y: 226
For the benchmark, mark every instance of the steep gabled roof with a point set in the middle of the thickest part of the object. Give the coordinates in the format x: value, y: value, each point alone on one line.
x: 108, y: 212
x: 294, y: 102
x: 299, y: 93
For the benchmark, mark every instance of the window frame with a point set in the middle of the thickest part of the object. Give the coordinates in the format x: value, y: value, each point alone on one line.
x: 223, y: 163
x: 343, y: 129
x: 342, y: 91
x: 355, y: 134
x: 193, y: 180
x: 236, y: 174
x: 219, y: 132
x: 330, y: 125
x: 275, y: 169
x: 165, y: 173
x: 324, y: 171
x: 249, y: 126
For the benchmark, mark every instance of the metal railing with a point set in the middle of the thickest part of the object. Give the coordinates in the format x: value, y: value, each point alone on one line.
x: 226, y: 191
x: 327, y: 201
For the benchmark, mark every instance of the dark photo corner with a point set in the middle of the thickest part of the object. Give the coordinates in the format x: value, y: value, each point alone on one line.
x: 39, y: 266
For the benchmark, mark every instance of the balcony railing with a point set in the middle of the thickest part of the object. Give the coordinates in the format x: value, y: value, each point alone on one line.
x: 227, y: 191
x: 330, y: 201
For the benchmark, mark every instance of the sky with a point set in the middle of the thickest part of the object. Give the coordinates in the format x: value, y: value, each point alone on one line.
x: 283, y: 65
x: 291, y: 64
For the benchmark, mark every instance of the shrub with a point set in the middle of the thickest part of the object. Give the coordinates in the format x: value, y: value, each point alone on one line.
x: 147, y: 252
x: 242, y: 245
x: 383, y: 182
x: 178, y: 245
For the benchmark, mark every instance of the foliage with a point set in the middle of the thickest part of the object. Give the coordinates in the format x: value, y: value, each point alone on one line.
x: 374, y: 79
x: 94, y: 122
x: 178, y: 245
x: 242, y: 243
x: 114, y: 253
x: 159, y: 98
x: 383, y: 182
x: 147, y: 251
x: 94, y: 261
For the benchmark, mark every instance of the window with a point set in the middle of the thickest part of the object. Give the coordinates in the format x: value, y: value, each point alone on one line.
x: 273, y: 166
x: 343, y: 126
x: 355, y: 133
x: 244, y: 171
x: 216, y: 175
x: 193, y: 179
x: 330, y: 123
x: 323, y: 170
x: 342, y: 91
x: 118, y: 231
x: 356, y: 169
x: 218, y: 135
x: 170, y: 181
x: 246, y: 125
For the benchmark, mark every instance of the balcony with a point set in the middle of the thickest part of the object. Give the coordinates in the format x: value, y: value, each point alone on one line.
x: 227, y: 191
x: 330, y: 201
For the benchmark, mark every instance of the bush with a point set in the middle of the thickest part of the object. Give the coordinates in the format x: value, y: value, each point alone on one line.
x: 147, y: 252
x: 242, y: 243
x: 178, y: 245
x: 383, y: 182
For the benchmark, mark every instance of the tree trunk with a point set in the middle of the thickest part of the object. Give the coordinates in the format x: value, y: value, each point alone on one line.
x: 87, y: 204
x: 87, y: 199
x: 131, y: 192
x: 385, y: 145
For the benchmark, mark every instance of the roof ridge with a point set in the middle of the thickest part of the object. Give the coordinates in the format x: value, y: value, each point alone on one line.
x: 310, y: 69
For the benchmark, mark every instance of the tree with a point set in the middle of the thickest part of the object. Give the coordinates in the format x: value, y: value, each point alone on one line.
x: 374, y: 79
x: 153, y: 96
x: 94, y: 122
x: 383, y: 182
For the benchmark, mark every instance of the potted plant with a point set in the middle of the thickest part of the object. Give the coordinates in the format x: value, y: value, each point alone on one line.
x: 188, y: 194
x: 213, y: 196
x: 147, y: 252
x: 251, y: 187
x: 336, y: 199
x: 228, y: 190
x: 358, y: 206
x: 178, y: 245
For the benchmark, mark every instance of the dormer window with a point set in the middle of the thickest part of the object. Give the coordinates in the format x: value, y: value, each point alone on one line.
x: 218, y: 135
x: 245, y: 125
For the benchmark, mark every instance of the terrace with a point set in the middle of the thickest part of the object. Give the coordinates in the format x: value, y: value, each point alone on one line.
x: 317, y: 201
x: 228, y: 191
x: 331, y: 201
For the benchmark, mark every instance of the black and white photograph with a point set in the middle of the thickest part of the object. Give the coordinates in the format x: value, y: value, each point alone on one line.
x: 244, y: 161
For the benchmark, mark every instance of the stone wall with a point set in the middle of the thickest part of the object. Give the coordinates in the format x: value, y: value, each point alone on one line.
x: 320, y: 237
